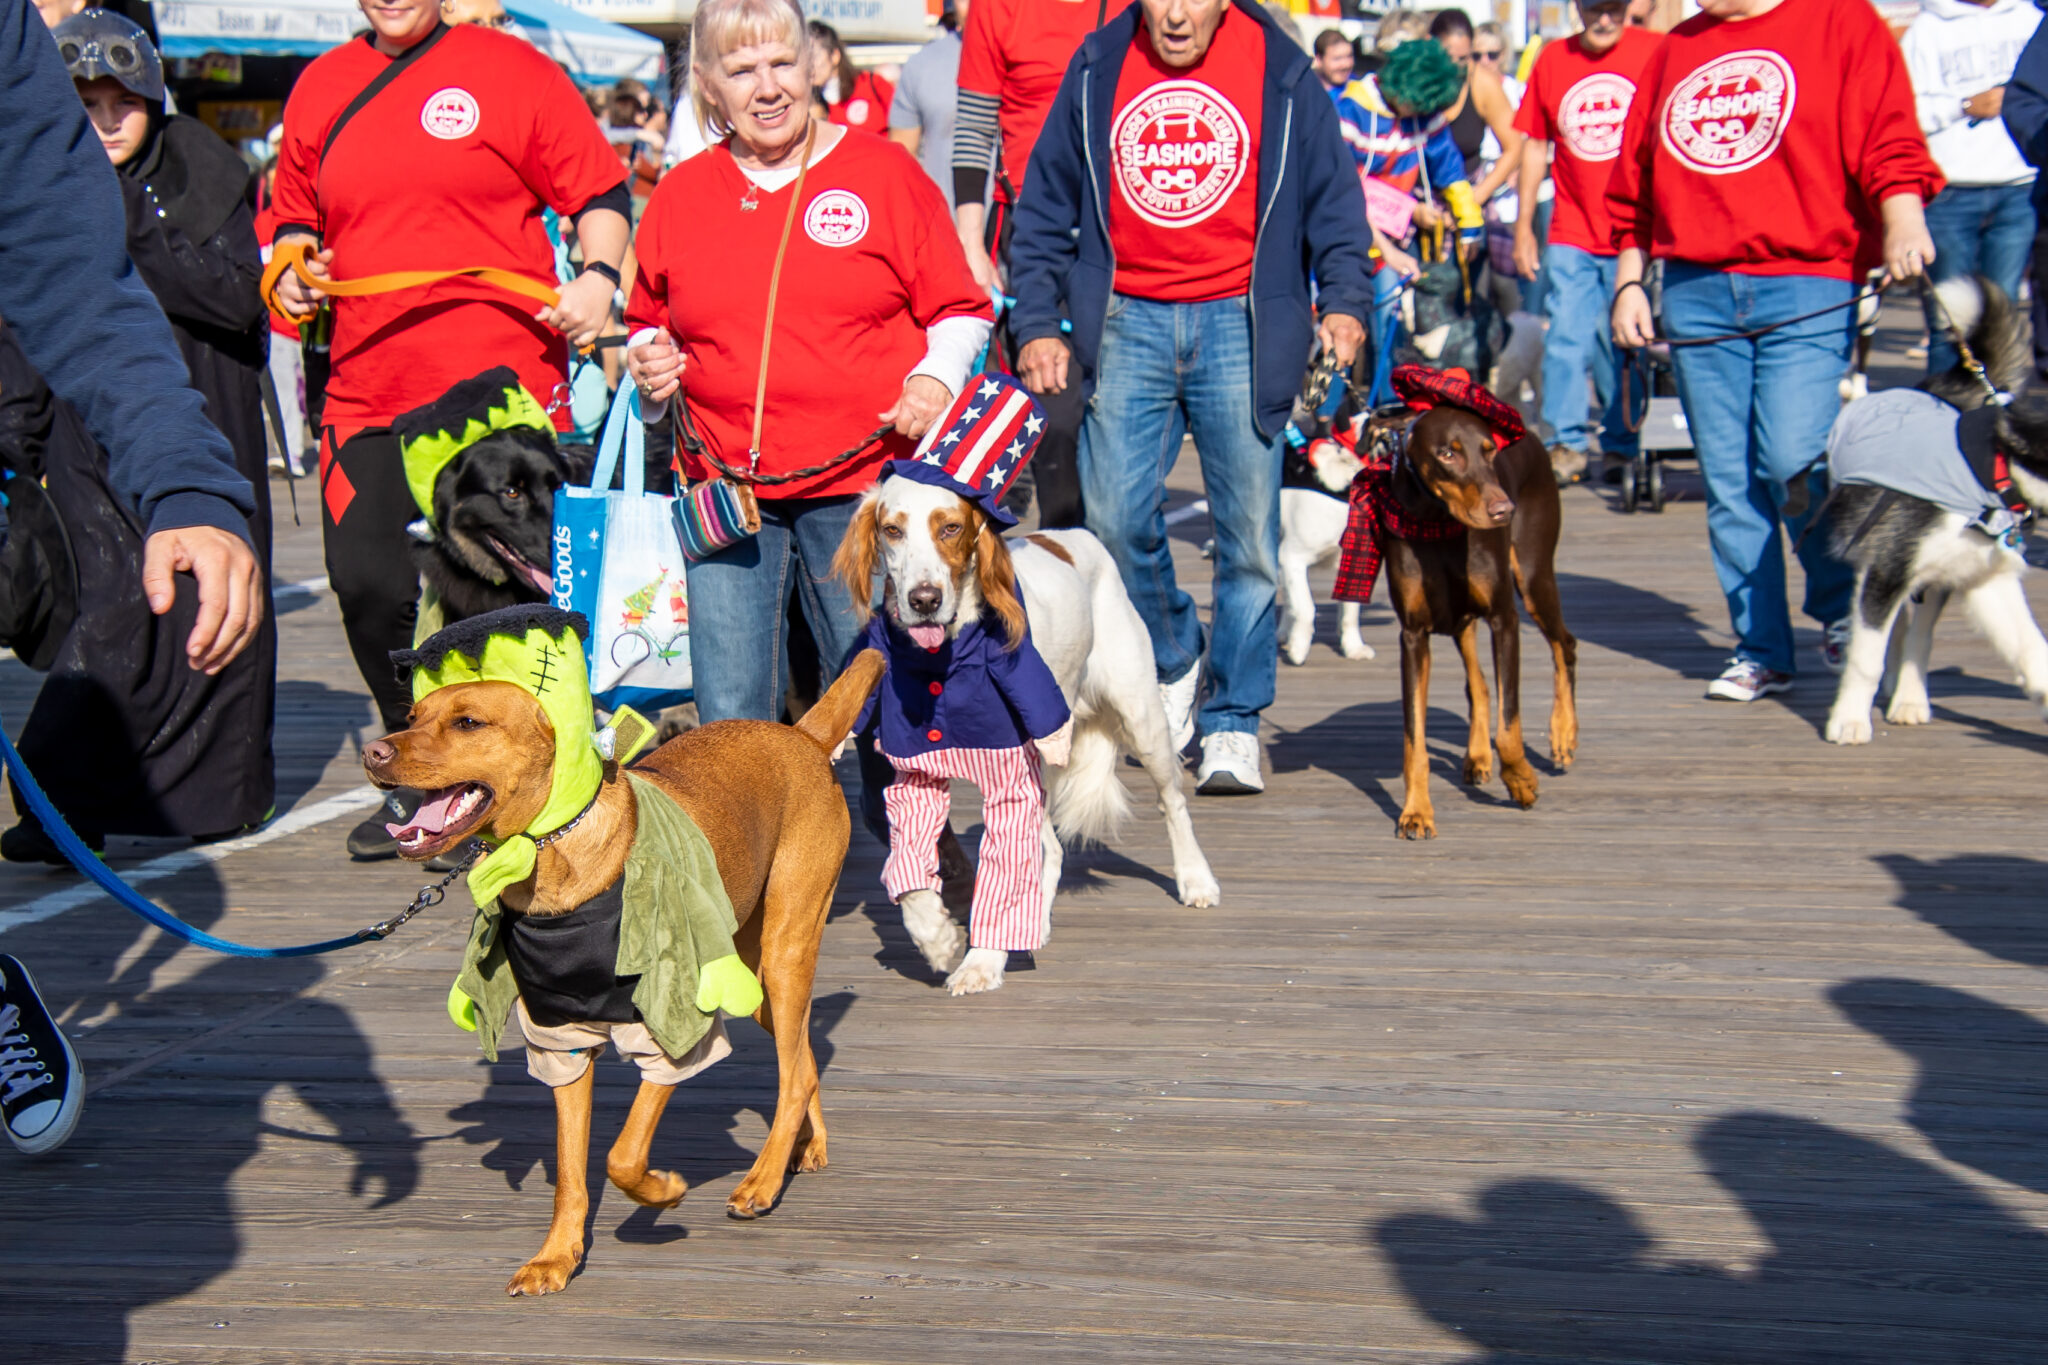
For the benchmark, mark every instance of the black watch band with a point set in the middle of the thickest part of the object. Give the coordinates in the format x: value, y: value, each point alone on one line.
x: 609, y: 272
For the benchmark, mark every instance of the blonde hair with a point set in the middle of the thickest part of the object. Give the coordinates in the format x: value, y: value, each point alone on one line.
x: 722, y: 25
x: 1400, y: 26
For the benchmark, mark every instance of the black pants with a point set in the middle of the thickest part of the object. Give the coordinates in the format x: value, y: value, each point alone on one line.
x: 2040, y: 305
x: 369, y: 559
x: 1055, y: 467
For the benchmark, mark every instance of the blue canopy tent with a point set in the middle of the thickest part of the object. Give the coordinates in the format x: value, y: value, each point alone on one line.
x: 594, y: 51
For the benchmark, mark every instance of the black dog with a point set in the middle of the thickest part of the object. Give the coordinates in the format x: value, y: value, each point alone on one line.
x: 493, y: 524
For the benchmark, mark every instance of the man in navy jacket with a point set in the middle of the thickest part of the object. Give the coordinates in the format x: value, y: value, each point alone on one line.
x: 1190, y: 181
x: 89, y: 323
x: 2023, y: 102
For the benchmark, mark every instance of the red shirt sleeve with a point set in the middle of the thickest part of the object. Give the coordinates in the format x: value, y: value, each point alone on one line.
x: 564, y: 159
x: 938, y: 281
x: 1533, y: 118
x: 1884, y: 149
x: 981, y: 51
x: 1631, y: 191
x: 297, y: 160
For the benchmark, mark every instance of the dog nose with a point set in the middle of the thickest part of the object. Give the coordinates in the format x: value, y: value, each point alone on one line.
x: 924, y: 599
x: 379, y: 752
x: 1500, y: 508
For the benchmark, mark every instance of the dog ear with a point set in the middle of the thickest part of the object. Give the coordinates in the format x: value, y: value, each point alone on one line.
x: 996, y: 579
x: 853, y: 563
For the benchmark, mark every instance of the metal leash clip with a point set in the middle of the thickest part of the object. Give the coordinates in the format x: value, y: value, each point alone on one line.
x: 426, y: 897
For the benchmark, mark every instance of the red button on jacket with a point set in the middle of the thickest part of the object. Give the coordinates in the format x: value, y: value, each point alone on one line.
x: 934, y: 736
x: 937, y: 688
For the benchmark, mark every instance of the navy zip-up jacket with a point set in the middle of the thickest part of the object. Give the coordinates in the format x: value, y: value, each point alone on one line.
x: 972, y: 692
x: 1311, y: 216
x: 2025, y: 110
x: 81, y: 313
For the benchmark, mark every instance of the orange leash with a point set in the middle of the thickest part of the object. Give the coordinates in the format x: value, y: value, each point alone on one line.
x: 290, y: 254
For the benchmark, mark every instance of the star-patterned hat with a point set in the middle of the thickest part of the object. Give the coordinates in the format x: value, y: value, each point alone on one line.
x: 981, y: 443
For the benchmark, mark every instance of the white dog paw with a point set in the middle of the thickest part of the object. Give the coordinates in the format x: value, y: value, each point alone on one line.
x: 1849, y: 729
x: 1199, y: 890
x: 937, y: 935
x: 981, y: 971
x: 1296, y: 650
x: 1355, y: 648
x: 1909, y: 711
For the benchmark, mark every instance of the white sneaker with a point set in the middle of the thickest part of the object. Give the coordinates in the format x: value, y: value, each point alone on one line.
x: 1179, y: 696
x: 1230, y: 765
x: 1743, y: 680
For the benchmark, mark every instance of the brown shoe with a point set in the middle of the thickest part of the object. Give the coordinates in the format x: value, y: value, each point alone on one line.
x: 1569, y: 465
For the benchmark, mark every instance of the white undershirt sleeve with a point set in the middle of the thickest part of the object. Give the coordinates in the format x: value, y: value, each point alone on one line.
x: 951, y: 347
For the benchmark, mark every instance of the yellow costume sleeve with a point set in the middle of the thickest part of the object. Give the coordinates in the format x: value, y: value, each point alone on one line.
x: 1464, y: 205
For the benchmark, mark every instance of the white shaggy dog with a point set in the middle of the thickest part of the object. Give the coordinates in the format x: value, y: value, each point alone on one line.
x: 943, y: 560
x: 1311, y: 525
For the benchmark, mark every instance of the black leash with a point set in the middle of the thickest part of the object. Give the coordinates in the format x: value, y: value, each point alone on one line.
x: 1853, y: 301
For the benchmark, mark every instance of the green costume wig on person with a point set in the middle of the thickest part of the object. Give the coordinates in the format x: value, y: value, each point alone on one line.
x: 1421, y: 77
x: 432, y: 435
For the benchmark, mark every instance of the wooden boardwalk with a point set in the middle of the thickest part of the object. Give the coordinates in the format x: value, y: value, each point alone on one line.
x: 1734, y: 1049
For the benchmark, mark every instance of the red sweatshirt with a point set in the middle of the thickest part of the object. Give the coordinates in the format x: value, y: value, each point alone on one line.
x: 1764, y: 146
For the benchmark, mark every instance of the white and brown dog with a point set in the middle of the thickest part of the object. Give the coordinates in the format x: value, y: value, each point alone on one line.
x: 944, y: 559
x: 1313, y: 509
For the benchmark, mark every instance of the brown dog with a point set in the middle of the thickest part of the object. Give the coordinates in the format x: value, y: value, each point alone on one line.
x: 1507, y: 501
x: 766, y: 799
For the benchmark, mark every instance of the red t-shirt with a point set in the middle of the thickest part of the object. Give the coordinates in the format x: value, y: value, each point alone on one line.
x: 450, y: 165
x: 1579, y: 102
x: 1764, y: 146
x: 1017, y: 51
x: 1184, y: 160
x: 866, y: 105
x: 873, y: 260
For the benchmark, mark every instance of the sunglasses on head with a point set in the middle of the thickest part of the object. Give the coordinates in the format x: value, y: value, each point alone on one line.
x: 1491, y: 56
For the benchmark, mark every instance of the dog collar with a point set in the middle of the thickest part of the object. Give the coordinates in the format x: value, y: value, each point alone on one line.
x: 541, y: 841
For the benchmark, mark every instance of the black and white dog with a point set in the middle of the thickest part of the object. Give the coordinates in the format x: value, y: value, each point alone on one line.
x: 490, y: 541
x: 1911, y: 550
x: 1314, y: 483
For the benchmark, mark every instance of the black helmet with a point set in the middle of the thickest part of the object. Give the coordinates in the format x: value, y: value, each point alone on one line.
x: 98, y: 42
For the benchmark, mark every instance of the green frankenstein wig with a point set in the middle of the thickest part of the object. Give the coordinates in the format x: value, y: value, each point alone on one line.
x: 1421, y: 77
x: 430, y: 436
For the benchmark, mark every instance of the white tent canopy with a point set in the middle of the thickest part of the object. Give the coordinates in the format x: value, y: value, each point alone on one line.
x: 596, y: 52
x: 858, y: 21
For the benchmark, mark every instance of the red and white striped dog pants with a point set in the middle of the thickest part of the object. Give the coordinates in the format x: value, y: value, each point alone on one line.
x: 1008, y: 911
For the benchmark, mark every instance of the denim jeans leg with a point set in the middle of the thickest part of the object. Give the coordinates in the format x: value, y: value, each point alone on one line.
x: 2008, y: 236
x: 1955, y: 220
x: 1615, y: 437
x: 1578, y: 316
x: 1716, y: 385
x: 737, y: 598
x: 1383, y: 328
x: 1241, y: 475
x: 1797, y: 368
x: 1129, y: 441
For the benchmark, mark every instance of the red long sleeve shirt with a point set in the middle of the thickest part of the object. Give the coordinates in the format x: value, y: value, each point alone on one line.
x: 1764, y: 146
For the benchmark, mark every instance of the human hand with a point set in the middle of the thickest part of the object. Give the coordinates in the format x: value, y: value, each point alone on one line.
x: 1429, y: 215
x: 1908, y: 249
x: 1042, y: 365
x: 1985, y: 104
x: 1400, y: 262
x: 230, y: 589
x: 1342, y: 335
x: 923, y: 401
x: 985, y: 273
x: 585, y: 306
x: 1634, y: 327
x: 302, y: 300
x: 1528, y: 255
x: 656, y: 366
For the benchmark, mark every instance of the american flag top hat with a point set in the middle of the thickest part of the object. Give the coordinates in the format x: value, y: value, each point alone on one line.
x: 981, y: 443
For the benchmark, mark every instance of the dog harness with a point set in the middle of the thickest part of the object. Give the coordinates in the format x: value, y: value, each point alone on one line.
x: 1912, y: 443
x: 1376, y: 513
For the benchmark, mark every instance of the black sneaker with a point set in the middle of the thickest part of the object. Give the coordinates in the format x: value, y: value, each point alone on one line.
x: 41, y: 1084
x: 371, y: 842
x: 27, y: 842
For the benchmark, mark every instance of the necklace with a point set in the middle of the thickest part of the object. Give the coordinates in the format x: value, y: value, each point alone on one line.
x: 751, y: 200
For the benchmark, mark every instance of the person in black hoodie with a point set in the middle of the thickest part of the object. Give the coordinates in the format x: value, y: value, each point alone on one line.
x: 126, y: 738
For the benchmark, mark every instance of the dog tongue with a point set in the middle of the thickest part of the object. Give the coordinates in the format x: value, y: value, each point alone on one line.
x: 431, y: 817
x: 926, y: 637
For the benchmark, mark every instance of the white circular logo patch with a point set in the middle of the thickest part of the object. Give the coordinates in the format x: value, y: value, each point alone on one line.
x: 857, y: 112
x: 1591, y: 115
x: 449, y: 114
x: 1731, y: 113
x: 836, y: 218
x: 1179, y: 150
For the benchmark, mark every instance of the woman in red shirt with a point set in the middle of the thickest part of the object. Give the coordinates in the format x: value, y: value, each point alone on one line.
x: 850, y: 97
x: 448, y: 165
x: 877, y: 322
x: 1770, y: 142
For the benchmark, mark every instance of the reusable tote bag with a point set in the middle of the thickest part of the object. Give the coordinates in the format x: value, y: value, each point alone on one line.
x: 617, y: 562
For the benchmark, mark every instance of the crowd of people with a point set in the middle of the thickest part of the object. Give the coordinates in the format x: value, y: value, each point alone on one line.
x: 1156, y: 216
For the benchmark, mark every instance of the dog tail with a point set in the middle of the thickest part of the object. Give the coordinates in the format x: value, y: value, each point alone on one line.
x: 829, y: 722
x: 1087, y: 802
x: 1992, y: 324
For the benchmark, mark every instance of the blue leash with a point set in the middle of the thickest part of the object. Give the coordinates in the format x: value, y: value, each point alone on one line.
x: 87, y: 862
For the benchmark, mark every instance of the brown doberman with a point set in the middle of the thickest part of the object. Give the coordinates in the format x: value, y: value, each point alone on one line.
x: 765, y: 797
x: 1507, y: 501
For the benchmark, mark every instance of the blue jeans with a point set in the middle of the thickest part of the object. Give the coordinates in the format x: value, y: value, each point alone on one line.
x: 1167, y: 370
x: 738, y: 654
x: 1382, y: 329
x: 1581, y: 288
x: 1977, y: 230
x: 1760, y: 412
